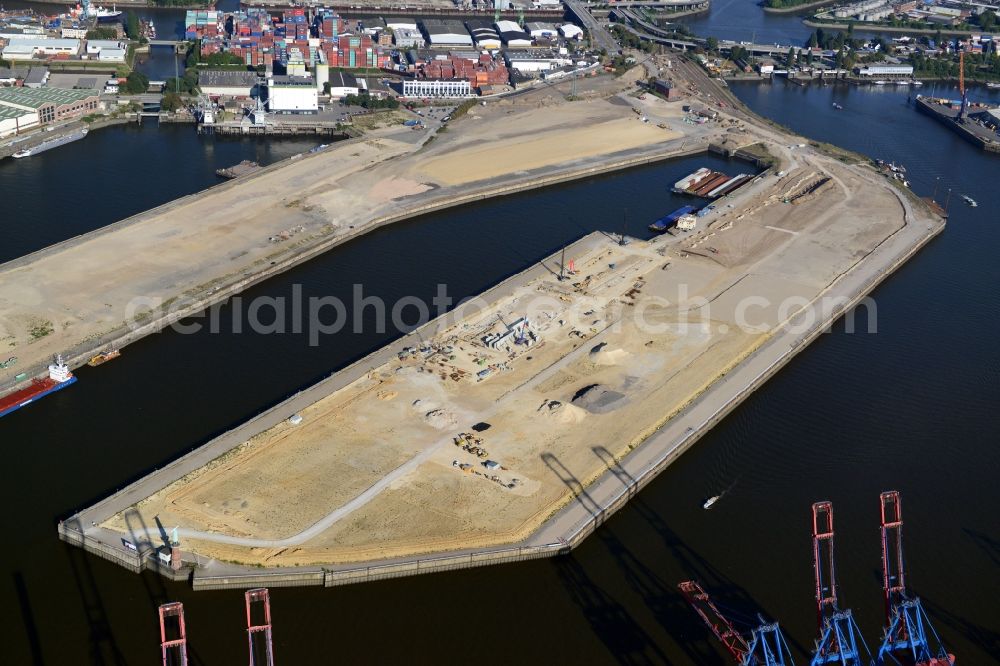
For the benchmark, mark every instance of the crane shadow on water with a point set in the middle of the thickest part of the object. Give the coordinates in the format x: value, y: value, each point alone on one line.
x: 663, y: 599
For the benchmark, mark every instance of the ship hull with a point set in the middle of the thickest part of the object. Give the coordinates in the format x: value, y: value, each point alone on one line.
x: 52, y: 143
x: 28, y: 396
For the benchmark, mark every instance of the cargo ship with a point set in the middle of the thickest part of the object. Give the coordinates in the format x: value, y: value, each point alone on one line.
x: 710, y: 184
x: 51, y: 143
x: 59, y: 378
x: 665, y: 222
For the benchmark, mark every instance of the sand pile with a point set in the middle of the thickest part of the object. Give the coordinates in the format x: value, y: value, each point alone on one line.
x: 601, y: 355
x: 562, y: 412
x: 441, y: 419
x: 598, y: 399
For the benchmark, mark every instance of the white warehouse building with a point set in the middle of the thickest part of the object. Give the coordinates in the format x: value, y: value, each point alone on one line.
x: 437, y: 88
x: 535, y: 61
x: 886, y: 70
x: 28, y: 49
x: 570, y: 31
x: 292, y: 94
x: 107, y: 50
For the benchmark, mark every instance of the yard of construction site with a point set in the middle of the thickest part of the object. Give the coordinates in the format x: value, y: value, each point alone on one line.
x: 489, y: 427
x: 483, y: 431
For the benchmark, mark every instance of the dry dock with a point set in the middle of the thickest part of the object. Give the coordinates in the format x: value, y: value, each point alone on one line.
x: 372, y: 484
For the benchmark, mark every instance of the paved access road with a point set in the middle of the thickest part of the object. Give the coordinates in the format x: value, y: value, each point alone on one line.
x: 600, y: 37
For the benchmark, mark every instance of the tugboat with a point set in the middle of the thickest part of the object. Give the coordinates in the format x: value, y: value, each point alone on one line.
x: 104, y: 357
x: 59, y: 378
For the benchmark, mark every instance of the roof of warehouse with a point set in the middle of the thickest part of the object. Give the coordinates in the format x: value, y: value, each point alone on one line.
x: 215, y: 77
x: 38, y: 97
x: 343, y: 80
x: 444, y: 26
x: 9, y: 112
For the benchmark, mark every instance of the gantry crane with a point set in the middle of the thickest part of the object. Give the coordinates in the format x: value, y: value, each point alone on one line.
x: 766, y: 647
x: 258, y: 603
x: 173, y: 649
x: 908, y: 632
x: 840, y: 640
x: 961, y: 87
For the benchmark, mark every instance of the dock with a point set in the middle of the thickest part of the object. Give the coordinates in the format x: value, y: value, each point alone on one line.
x: 244, y: 168
x: 240, y: 128
x: 973, y: 129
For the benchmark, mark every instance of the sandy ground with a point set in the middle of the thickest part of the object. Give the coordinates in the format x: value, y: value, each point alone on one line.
x: 70, y: 299
x: 634, y: 335
x: 532, y: 152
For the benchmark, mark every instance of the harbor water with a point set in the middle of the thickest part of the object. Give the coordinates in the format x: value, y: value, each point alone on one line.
x: 911, y: 407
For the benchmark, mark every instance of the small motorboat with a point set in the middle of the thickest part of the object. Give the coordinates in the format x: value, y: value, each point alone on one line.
x: 837, y: 106
x: 710, y: 501
x: 969, y: 200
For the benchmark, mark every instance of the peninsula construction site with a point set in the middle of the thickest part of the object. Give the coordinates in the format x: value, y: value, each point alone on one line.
x: 514, y: 424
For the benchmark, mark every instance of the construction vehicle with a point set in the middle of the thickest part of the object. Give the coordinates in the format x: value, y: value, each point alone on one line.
x: 908, y: 632
x: 840, y: 641
x: 766, y: 645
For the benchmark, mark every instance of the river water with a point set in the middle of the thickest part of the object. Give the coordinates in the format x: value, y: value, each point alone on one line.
x: 912, y: 407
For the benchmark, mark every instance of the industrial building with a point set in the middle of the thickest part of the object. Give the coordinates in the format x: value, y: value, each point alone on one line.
x: 292, y: 94
x: 225, y: 83
x: 571, y: 31
x: 446, y: 33
x: 484, y: 34
x: 541, y: 30
x: 36, y: 77
x: 512, y: 35
x: 401, y: 24
x: 343, y: 84
x: 408, y: 38
x: 51, y: 104
x: 437, y: 88
x: 885, y: 71
x: 16, y: 120
x: 32, y: 48
x: 107, y: 50
x: 529, y: 62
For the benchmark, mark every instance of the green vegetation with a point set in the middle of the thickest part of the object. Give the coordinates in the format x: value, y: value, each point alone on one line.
x: 102, y: 32
x: 759, y: 152
x: 171, y: 102
x: 223, y: 58
x: 136, y: 84
x: 132, y: 28
x: 185, y: 85
x: 39, y: 328
x: 630, y: 40
x: 368, y: 101
x: 978, y: 66
x: 462, y: 109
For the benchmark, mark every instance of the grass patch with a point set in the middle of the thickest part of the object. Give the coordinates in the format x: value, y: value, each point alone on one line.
x: 462, y: 109
x: 39, y: 328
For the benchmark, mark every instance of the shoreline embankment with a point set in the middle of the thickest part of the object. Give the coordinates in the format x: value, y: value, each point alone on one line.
x: 797, y: 9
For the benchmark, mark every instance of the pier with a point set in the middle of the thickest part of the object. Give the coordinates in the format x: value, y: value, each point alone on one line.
x: 239, y: 128
x: 970, y: 129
